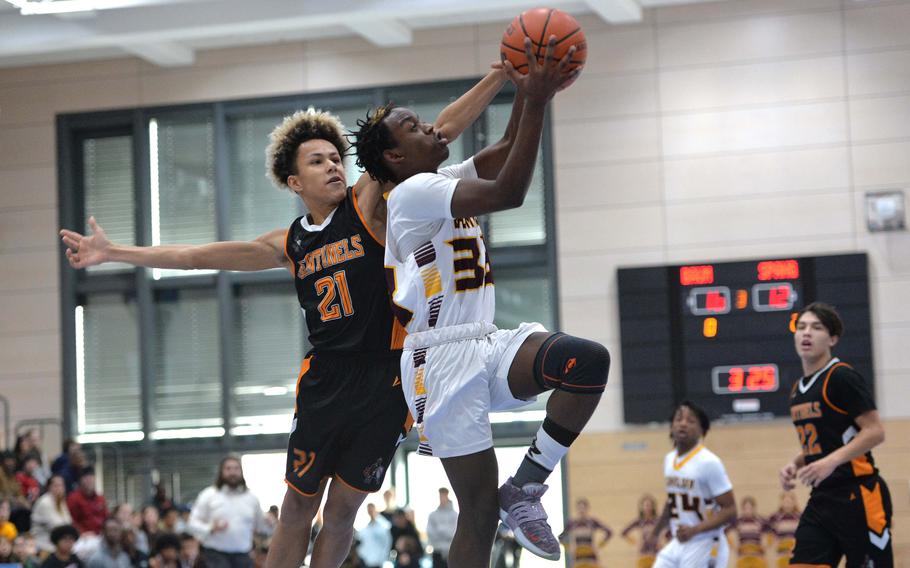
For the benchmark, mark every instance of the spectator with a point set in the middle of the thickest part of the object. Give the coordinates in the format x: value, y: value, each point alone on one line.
x: 441, y: 529
x: 9, y: 486
x: 390, y: 505
x: 88, y: 508
x: 138, y: 559
x: 402, y: 526
x: 63, y: 537
x: 28, y: 445
x: 189, y: 552
x: 70, y: 463
x: 110, y: 553
x: 149, y: 529
x: 25, y: 549
x: 170, y: 521
x: 161, y: 500
x: 29, y: 484
x: 271, y: 520
x: 375, y: 539
x: 167, y: 552
x: 62, y: 461
x: 408, y: 551
x: 50, y: 511
x: 6, y: 552
x: 7, y: 529
x: 225, y: 517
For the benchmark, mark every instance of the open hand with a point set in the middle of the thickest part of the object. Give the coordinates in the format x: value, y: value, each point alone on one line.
x: 787, y: 476
x: 816, y: 472
x: 542, y: 80
x: 84, y: 251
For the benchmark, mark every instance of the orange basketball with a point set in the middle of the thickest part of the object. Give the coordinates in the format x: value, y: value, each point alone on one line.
x: 539, y: 24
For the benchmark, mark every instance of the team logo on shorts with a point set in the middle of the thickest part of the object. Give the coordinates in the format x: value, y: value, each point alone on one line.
x: 372, y: 474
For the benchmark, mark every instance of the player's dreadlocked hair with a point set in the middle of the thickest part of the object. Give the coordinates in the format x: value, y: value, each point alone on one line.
x: 374, y: 138
x: 294, y: 130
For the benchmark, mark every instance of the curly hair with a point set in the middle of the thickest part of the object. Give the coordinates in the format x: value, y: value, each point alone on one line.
x: 372, y: 139
x: 294, y: 130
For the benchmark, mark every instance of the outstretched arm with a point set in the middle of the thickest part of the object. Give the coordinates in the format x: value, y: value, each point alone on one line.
x: 266, y: 251
x: 475, y: 197
x: 461, y: 113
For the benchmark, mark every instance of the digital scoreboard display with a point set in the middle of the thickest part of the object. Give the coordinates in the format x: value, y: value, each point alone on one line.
x: 721, y: 334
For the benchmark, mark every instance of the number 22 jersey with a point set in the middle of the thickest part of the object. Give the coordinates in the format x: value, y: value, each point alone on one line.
x: 437, y: 267
x: 694, y: 480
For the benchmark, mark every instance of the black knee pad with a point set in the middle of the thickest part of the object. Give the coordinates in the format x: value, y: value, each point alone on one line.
x: 572, y: 364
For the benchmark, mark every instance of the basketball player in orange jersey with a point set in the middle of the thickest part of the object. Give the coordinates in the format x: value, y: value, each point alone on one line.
x: 782, y: 525
x: 849, y: 509
x: 457, y: 366
x: 350, y: 413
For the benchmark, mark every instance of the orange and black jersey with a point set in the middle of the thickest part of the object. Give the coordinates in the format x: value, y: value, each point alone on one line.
x: 824, y: 407
x: 339, y: 275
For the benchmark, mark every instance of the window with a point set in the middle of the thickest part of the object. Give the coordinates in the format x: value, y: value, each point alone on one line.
x: 107, y: 165
x: 161, y: 354
x: 256, y: 206
x: 109, y: 389
x: 266, y: 355
x: 187, y: 360
x: 527, y: 224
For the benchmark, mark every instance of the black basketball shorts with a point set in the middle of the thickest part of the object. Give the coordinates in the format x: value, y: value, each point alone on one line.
x: 350, y: 416
x: 852, y: 520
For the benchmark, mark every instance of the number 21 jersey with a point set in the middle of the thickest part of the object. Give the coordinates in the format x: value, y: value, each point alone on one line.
x: 338, y: 275
x: 437, y: 267
x: 694, y: 480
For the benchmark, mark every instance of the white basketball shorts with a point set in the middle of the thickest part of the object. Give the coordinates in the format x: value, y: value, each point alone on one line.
x: 698, y: 553
x: 453, y: 377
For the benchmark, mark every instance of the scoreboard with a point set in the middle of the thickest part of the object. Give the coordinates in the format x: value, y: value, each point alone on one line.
x: 721, y: 334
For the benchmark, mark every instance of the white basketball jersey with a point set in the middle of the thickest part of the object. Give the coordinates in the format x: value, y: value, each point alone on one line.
x: 437, y: 266
x: 694, y: 481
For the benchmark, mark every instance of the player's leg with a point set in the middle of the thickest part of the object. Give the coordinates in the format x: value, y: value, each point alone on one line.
x: 669, y: 556
x: 289, y: 543
x: 333, y: 543
x: 370, y: 439
x: 816, y: 545
x: 866, y: 536
x: 576, y: 371
x: 473, y: 478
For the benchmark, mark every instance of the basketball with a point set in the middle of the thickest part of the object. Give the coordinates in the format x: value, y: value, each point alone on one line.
x: 539, y: 24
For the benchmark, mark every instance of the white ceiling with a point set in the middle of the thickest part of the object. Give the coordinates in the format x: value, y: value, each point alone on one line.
x: 169, y: 32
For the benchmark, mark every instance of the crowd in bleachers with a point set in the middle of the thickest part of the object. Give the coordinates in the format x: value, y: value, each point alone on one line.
x: 53, y: 515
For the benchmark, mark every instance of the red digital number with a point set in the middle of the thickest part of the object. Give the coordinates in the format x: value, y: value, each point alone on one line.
x: 761, y: 379
x: 779, y: 297
x: 715, y: 302
x: 737, y: 379
x: 778, y: 270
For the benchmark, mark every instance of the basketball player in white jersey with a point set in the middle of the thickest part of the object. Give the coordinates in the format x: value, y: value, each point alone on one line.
x: 456, y: 365
x: 700, y: 499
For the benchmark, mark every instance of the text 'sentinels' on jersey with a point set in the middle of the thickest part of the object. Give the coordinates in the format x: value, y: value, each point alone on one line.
x: 337, y: 268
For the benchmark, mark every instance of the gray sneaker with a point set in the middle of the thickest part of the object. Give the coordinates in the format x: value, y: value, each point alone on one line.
x: 521, y: 511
